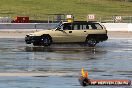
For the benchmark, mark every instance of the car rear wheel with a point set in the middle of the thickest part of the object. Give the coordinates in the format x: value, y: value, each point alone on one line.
x: 46, y: 41
x: 91, y: 41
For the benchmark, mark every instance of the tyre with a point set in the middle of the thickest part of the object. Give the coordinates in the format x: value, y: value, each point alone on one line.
x: 91, y: 41
x: 46, y: 41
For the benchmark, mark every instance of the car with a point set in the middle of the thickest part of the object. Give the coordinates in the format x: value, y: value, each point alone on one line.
x: 89, y: 33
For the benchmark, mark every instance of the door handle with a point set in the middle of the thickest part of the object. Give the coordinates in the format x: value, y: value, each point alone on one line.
x: 70, y: 31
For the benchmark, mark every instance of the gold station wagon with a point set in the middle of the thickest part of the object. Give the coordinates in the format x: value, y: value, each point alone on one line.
x: 89, y: 33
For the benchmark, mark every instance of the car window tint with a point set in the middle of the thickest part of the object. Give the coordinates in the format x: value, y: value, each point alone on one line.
x: 81, y: 26
x: 93, y: 26
x: 76, y: 27
x: 85, y: 26
x: 67, y: 27
x: 98, y: 26
x: 61, y: 27
x: 89, y: 26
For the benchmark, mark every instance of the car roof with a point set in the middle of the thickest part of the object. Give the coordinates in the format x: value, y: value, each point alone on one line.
x: 81, y: 22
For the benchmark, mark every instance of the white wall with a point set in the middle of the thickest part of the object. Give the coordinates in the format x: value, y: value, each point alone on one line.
x: 118, y: 26
x: 129, y: 27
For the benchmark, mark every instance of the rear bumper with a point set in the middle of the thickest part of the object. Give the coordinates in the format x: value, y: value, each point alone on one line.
x: 103, y: 37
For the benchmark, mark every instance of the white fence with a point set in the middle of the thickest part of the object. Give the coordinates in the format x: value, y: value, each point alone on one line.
x: 20, y: 26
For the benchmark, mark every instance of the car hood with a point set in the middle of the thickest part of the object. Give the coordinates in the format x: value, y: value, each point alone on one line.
x: 39, y: 33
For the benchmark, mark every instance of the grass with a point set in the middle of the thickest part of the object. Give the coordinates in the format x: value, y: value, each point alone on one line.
x: 39, y: 9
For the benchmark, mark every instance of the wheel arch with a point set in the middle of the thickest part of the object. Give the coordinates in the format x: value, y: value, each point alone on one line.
x: 98, y: 37
x: 47, y: 35
x: 91, y: 40
x: 92, y: 35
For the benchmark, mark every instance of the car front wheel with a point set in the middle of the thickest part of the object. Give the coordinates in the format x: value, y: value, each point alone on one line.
x: 46, y: 41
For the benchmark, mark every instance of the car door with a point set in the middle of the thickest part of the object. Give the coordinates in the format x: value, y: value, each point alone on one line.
x: 76, y: 34
x: 71, y: 34
x: 59, y: 36
x: 62, y: 34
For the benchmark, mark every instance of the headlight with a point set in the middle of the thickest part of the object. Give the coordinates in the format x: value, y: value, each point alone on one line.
x: 31, y: 34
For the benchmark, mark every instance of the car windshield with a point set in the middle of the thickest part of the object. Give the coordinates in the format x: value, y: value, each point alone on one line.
x: 58, y: 25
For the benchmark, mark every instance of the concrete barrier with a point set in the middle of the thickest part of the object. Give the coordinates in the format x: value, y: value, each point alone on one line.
x: 16, y: 26
x: 38, y: 26
x: 45, y: 25
x: 130, y: 27
x: 117, y: 26
x: 27, y: 25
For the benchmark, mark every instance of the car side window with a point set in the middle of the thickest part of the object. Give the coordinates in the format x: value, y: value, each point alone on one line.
x: 80, y: 26
x: 85, y: 26
x: 67, y: 27
x: 76, y: 27
x: 93, y: 26
x: 98, y: 26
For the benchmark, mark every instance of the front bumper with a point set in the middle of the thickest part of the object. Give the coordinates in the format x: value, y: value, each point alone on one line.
x: 31, y: 39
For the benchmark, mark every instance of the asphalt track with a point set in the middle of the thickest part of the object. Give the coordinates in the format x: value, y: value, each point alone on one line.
x: 26, y: 66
